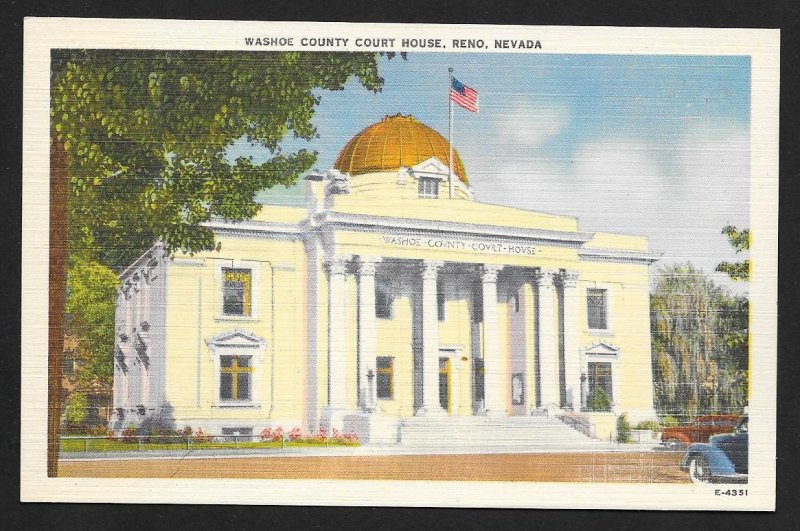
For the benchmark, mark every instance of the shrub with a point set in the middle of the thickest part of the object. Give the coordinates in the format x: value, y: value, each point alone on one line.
x: 274, y: 435
x: 295, y: 434
x: 318, y: 437
x: 201, y: 437
x: 598, y: 400
x: 669, y: 422
x: 77, y: 409
x: 623, y: 429
x: 648, y: 425
x: 101, y: 430
x: 129, y: 434
x: 163, y: 435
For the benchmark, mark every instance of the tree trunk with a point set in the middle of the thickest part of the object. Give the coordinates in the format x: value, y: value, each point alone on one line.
x: 58, y: 262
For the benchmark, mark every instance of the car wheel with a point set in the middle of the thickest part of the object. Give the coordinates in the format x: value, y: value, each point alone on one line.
x: 674, y: 444
x: 698, y: 469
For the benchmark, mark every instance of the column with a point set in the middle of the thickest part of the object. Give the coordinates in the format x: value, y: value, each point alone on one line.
x: 494, y: 396
x: 548, y: 340
x: 430, y: 339
x: 572, y: 369
x: 367, y: 340
x: 337, y: 353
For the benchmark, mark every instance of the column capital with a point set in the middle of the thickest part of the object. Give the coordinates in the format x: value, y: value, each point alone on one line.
x: 545, y: 278
x: 367, y: 265
x: 430, y: 269
x: 337, y: 265
x: 489, y: 272
x: 569, y: 278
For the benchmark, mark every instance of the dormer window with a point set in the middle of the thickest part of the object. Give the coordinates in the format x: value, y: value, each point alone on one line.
x: 428, y: 188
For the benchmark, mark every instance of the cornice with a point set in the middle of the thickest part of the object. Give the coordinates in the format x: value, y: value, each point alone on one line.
x: 617, y: 255
x: 363, y: 222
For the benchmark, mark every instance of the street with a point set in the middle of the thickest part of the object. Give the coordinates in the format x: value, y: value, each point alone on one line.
x: 601, y: 467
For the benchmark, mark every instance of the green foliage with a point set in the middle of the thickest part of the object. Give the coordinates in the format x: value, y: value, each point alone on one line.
x: 598, y: 400
x: 648, y: 425
x: 669, y: 422
x: 623, y: 429
x: 700, y: 344
x: 147, y: 134
x: 90, y: 304
x: 740, y: 240
x: 77, y: 409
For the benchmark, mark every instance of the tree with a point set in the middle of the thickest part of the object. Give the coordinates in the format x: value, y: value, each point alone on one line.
x: 740, y: 240
x: 90, y: 305
x: 700, y: 338
x: 78, y: 409
x: 147, y: 135
x: 143, y: 138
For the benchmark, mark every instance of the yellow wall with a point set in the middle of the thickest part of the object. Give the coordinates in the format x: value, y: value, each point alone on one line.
x: 629, y: 319
x: 194, y: 316
x: 194, y: 309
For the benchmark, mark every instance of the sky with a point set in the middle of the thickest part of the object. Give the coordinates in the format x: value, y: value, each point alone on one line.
x: 647, y: 145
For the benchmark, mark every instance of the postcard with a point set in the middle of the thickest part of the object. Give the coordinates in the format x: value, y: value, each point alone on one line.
x: 396, y: 264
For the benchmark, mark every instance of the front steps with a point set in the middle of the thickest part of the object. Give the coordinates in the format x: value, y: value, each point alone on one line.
x: 515, y: 434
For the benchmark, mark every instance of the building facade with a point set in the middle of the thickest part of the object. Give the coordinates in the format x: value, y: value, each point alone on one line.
x: 392, y: 294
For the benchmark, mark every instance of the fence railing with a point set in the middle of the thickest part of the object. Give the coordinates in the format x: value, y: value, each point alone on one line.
x: 105, y: 443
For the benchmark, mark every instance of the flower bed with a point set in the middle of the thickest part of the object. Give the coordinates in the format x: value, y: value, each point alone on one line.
x: 130, y: 440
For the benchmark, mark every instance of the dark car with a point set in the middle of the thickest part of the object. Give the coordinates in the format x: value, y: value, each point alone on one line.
x: 723, y: 459
x: 698, y: 430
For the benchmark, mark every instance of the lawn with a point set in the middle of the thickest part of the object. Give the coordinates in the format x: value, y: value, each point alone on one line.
x: 78, y: 444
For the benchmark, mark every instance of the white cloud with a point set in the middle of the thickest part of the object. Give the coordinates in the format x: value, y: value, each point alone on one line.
x: 679, y: 192
x: 529, y: 124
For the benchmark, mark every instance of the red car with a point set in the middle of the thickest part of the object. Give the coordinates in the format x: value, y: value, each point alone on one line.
x: 698, y: 430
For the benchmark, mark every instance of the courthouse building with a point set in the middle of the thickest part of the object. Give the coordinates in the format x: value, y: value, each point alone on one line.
x: 391, y: 296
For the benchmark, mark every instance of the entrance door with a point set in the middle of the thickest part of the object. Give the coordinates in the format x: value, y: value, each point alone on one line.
x: 445, y: 384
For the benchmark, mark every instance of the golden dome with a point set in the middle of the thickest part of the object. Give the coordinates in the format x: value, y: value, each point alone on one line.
x: 394, y: 142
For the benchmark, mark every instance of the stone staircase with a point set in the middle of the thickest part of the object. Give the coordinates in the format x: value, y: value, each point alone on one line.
x: 515, y: 434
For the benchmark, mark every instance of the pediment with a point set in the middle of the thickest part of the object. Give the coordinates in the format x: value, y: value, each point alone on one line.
x: 602, y: 349
x: 236, y: 338
x: 431, y: 168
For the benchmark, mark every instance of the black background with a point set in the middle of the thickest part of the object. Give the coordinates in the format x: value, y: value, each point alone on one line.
x: 684, y: 13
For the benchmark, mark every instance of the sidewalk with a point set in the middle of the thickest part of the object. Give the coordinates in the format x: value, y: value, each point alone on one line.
x: 366, y: 450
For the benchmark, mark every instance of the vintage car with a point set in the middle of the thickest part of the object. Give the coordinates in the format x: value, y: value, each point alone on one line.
x: 698, y: 430
x: 723, y: 459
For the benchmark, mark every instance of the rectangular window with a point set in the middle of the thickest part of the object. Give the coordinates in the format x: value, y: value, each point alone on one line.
x: 597, y: 308
x: 385, y: 383
x: 600, y: 379
x: 383, y: 300
x: 237, y: 434
x: 236, y: 292
x: 235, y: 377
x: 428, y: 188
x: 440, y: 300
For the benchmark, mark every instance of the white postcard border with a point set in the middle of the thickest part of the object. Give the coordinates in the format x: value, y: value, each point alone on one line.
x: 42, y: 35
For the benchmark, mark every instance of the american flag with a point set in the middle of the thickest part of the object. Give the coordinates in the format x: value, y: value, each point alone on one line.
x: 463, y: 95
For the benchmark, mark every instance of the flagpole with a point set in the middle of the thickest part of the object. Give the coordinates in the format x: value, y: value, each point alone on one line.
x: 450, y: 132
